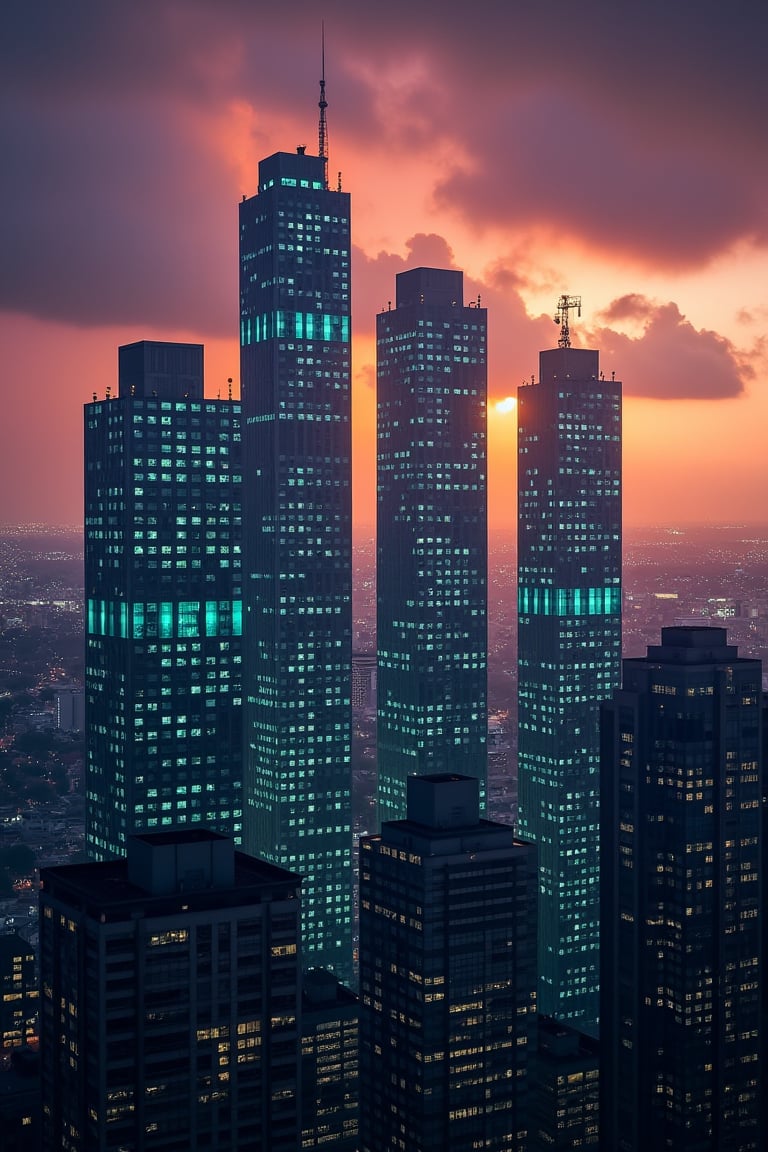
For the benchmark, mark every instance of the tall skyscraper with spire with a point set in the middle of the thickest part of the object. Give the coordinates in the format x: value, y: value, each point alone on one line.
x: 295, y: 373
x: 569, y: 651
x: 432, y: 545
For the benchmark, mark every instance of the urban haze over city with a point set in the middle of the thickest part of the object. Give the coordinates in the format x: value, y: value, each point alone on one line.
x: 382, y: 714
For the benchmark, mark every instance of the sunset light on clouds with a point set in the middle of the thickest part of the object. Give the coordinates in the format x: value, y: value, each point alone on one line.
x: 610, y: 150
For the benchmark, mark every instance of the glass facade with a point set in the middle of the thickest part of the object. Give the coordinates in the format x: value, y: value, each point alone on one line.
x: 297, y: 626
x: 163, y: 527
x: 432, y: 551
x: 682, y: 826
x: 569, y: 652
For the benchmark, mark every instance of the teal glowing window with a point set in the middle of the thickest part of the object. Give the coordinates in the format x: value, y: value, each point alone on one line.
x: 303, y: 325
x: 183, y: 620
x: 568, y: 601
x: 189, y: 618
x: 166, y: 621
x: 138, y: 621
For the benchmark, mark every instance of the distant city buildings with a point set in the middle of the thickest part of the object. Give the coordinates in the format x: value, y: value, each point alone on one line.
x: 20, y: 1102
x: 447, y: 976
x: 163, y: 602
x: 363, y: 682
x: 682, y: 842
x: 171, y: 999
x: 569, y: 649
x: 295, y: 373
x: 432, y: 551
x: 69, y: 702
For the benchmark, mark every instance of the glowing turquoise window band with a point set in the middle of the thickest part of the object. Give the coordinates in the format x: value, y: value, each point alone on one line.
x: 569, y: 601
x: 325, y: 326
x: 164, y: 619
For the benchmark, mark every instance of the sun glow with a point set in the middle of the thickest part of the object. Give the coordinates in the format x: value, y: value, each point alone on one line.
x: 508, y: 404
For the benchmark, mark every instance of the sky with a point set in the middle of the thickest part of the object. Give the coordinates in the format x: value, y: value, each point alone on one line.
x: 606, y: 149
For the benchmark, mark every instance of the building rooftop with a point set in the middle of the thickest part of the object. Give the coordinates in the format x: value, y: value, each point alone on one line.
x: 168, y: 872
x: 693, y: 644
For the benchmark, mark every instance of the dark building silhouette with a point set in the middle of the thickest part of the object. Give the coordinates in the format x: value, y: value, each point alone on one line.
x: 432, y: 550
x: 329, y: 1063
x: 682, y: 907
x: 171, y: 999
x: 447, y: 976
x: 163, y: 602
x: 295, y: 370
x: 564, y: 1097
x: 20, y: 1102
x: 569, y: 649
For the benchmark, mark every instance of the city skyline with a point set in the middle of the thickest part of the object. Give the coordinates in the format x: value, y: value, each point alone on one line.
x: 456, y: 143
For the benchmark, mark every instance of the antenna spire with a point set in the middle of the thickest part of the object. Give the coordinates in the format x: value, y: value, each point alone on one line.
x: 322, y: 149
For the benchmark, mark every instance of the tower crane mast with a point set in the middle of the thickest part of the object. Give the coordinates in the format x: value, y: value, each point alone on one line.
x: 565, y: 305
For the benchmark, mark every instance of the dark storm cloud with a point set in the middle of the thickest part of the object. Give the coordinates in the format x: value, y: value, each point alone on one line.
x: 633, y: 306
x: 670, y: 360
x: 636, y: 129
x: 514, y: 337
x: 374, y: 280
x: 120, y: 232
x: 579, y: 174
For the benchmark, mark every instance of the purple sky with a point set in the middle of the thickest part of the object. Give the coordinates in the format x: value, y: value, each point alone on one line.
x: 615, y: 151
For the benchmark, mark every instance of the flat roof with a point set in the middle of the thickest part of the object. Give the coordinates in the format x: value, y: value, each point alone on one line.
x: 104, y: 888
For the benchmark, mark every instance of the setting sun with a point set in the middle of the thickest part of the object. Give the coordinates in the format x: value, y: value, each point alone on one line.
x: 508, y: 404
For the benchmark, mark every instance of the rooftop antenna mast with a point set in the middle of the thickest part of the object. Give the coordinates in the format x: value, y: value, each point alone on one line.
x: 564, y: 305
x: 322, y: 149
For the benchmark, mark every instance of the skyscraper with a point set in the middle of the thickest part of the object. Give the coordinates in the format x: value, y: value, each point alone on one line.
x: 171, y: 999
x: 432, y: 550
x: 564, y: 1098
x: 569, y: 649
x: 447, y: 976
x: 295, y: 372
x: 330, y: 1103
x: 682, y: 909
x: 163, y: 601
x: 19, y: 993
